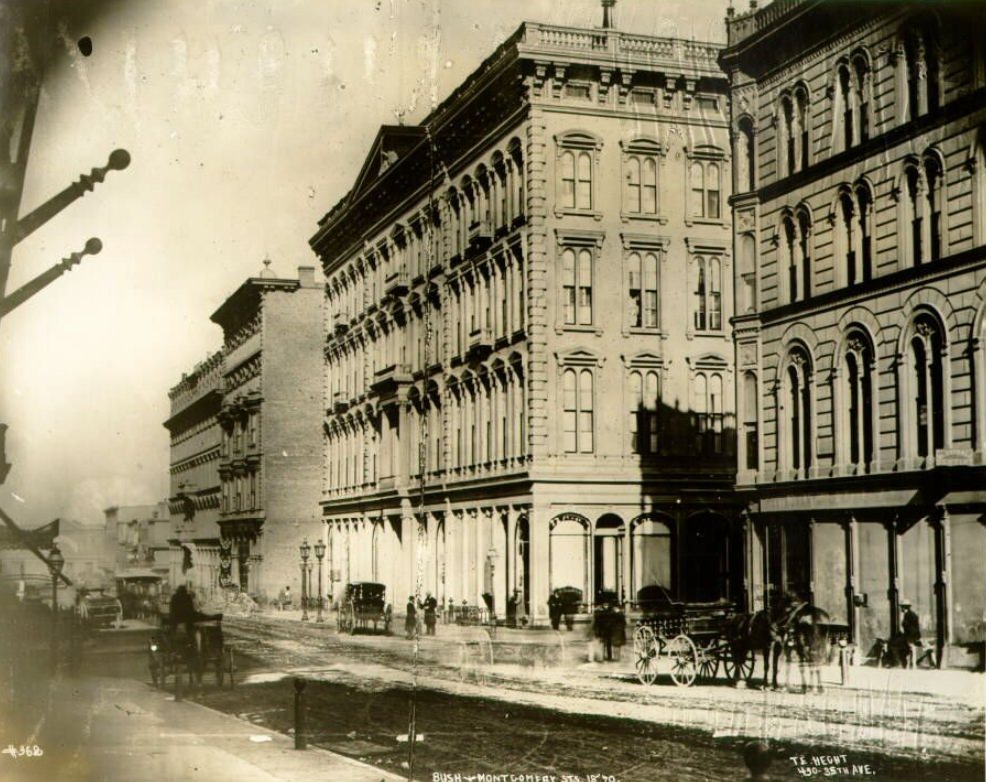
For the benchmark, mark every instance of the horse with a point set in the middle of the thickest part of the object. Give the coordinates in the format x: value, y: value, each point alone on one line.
x: 767, y: 632
x: 810, y: 642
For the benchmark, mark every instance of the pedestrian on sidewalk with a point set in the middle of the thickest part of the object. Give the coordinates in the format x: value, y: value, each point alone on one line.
x: 910, y: 626
x: 430, y: 606
x: 411, y: 618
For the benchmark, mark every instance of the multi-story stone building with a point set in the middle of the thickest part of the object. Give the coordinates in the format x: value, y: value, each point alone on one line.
x: 194, y: 491
x: 270, y: 457
x: 528, y: 354
x: 859, y: 220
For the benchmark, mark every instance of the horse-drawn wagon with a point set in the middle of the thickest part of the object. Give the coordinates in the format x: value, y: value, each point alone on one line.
x: 363, y: 604
x: 692, y: 637
x: 191, y: 648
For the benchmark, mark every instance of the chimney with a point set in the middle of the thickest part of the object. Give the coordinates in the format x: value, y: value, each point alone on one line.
x: 306, y: 276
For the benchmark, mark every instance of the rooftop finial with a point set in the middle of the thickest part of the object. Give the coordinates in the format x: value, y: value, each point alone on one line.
x: 607, y: 20
x: 266, y: 271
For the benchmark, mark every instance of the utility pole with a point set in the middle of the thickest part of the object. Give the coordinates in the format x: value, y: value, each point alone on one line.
x: 26, y: 44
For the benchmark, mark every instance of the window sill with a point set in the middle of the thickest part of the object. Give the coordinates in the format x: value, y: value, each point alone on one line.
x: 571, y: 327
x: 627, y: 217
x: 653, y: 331
x: 595, y: 215
x: 690, y: 221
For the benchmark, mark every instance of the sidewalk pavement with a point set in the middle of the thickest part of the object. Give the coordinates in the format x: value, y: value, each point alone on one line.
x: 100, y: 728
x: 545, y: 649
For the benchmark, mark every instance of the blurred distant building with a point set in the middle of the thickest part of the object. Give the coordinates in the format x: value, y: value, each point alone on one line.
x: 90, y: 559
x: 139, y: 537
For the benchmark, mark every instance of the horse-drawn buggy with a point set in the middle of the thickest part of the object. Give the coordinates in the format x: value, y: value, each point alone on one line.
x: 363, y: 604
x: 692, y: 637
x: 192, y: 649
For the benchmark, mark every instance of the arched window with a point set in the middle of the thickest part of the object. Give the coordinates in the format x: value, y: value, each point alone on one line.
x: 932, y: 206
x: 568, y: 179
x: 804, y: 250
x: 700, y: 291
x: 912, y: 206
x: 750, y: 420
x: 797, y: 391
x: 640, y: 169
x: 715, y: 294
x: 704, y: 178
x: 802, y: 125
x: 859, y: 379
x: 643, y: 420
x: 577, y: 405
x: 845, y: 105
x: 846, y: 237
x: 643, y: 289
x: 575, y: 161
x: 746, y: 156
x: 864, y: 208
x: 787, y: 136
x: 707, y: 410
x: 789, y: 235
x: 922, y: 70
x: 861, y: 73
x: 928, y: 404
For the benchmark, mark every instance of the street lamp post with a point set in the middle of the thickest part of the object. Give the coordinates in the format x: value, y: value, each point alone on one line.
x: 319, y: 554
x: 55, y: 564
x: 305, y: 551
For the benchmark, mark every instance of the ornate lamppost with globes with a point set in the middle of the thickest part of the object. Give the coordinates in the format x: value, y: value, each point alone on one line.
x: 55, y: 564
x: 319, y: 554
x: 305, y: 551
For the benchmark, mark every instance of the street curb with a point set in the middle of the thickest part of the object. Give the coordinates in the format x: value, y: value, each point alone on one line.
x: 259, y: 728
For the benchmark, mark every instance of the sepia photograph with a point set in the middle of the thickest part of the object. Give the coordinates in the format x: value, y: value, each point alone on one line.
x: 492, y: 390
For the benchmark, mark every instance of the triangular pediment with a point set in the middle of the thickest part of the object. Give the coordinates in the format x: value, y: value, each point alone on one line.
x: 392, y: 143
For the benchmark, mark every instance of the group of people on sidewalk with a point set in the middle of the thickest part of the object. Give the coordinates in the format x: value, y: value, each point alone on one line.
x: 429, y: 606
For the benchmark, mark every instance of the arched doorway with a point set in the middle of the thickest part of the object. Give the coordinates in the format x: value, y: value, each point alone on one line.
x: 651, y: 553
x: 568, y: 559
x: 607, y: 558
x: 705, y: 558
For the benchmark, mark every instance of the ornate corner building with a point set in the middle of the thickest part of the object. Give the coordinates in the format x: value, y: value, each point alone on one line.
x: 246, y: 440
x: 859, y: 212
x: 528, y: 354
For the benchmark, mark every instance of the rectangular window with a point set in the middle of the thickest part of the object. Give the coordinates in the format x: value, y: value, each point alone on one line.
x: 576, y: 284
x: 577, y: 411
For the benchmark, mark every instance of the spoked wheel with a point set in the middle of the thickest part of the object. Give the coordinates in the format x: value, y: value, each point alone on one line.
x: 645, y: 653
x: 729, y: 668
x: 708, y: 661
x: 684, y: 660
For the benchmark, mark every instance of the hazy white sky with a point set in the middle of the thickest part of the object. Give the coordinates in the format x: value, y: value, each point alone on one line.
x: 246, y: 121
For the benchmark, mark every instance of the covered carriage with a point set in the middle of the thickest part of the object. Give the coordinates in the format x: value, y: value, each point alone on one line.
x: 364, y: 604
x: 192, y: 648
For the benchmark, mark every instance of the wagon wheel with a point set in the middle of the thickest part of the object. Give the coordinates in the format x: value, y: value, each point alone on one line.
x: 645, y: 653
x: 729, y: 667
x: 708, y: 660
x: 684, y: 660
